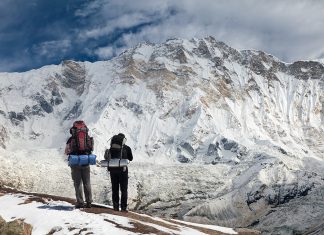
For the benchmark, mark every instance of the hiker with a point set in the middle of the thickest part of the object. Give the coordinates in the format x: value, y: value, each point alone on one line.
x: 119, y: 173
x: 80, y: 143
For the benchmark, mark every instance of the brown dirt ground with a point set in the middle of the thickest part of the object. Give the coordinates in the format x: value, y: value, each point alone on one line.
x: 135, y: 218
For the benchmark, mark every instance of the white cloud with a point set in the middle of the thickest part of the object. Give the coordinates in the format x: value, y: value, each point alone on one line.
x: 89, y: 8
x: 290, y: 29
x: 121, y: 22
x: 52, y: 48
x: 104, y: 52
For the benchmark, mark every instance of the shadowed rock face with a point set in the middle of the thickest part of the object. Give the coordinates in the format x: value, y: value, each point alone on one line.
x: 43, y: 103
x: 306, y: 70
x: 41, y: 107
x: 202, y: 50
x: 56, y: 98
x: 3, y: 137
x: 302, y: 70
x: 73, y: 76
x: 75, y: 112
x: 16, y: 118
x: 279, y: 194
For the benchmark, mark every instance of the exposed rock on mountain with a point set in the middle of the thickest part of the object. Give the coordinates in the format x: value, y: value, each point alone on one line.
x: 73, y: 76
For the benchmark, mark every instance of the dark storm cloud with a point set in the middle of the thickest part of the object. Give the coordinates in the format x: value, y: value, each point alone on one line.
x: 39, y: 32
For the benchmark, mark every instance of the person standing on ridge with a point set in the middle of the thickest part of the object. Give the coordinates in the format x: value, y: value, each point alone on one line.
x: 80, y: 143
x: 119, y: 173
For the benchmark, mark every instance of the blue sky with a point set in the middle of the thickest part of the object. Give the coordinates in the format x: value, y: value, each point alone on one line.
x: 34, y: 33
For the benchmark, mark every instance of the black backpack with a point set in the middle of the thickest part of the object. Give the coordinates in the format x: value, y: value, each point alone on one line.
x: 116, y: 149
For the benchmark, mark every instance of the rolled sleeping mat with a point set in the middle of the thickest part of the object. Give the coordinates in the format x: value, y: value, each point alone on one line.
x: 123, y: 162
x: 115, y: 162
x: 79, y: 160
x: 83, y: 160
x: 73, y: 160
x: 92, y: 159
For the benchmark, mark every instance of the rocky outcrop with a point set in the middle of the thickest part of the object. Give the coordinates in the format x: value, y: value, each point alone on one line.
x: 43, y: 103
x: 16, y: 118
x: 73, y: 76
x: 306, y: 70
x: 56, y: 97
x: 2, y: 222
x: 3, y: 137
x: 16, y: 227
x: 75, y: 112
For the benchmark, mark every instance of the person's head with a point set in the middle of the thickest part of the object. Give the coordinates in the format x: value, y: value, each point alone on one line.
x: 121, y: 135
x: 123, y: 138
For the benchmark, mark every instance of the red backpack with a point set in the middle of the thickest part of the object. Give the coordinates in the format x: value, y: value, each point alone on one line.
x: 81, y: 142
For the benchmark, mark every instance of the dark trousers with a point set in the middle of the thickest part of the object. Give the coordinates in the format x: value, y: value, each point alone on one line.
x: 81, y: 174
x: 119, y: 179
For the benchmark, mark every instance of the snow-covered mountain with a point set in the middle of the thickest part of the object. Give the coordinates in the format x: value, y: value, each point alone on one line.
x: 221, y: 136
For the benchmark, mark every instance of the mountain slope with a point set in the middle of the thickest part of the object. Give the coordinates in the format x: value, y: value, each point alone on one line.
x: 237, y: 135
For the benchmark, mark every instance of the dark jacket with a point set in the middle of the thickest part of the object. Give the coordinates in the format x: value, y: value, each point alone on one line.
x: 127, y: 154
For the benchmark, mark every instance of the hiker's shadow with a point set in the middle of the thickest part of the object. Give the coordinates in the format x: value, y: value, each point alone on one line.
x: 57, y: 208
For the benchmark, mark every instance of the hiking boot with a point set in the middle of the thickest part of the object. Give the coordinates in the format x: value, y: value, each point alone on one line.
x: 124, y: 210
x: 88, y: 205
x: 79, y: 205
x: 116, y: 209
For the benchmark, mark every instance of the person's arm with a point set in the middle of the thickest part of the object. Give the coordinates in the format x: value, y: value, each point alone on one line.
x: 107, y: 155
x: 67, y: 150
x: 129, y: 153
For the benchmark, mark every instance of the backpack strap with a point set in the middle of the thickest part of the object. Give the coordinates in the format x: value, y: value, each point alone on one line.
x: 121, y: 152
x: 107, y: 155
